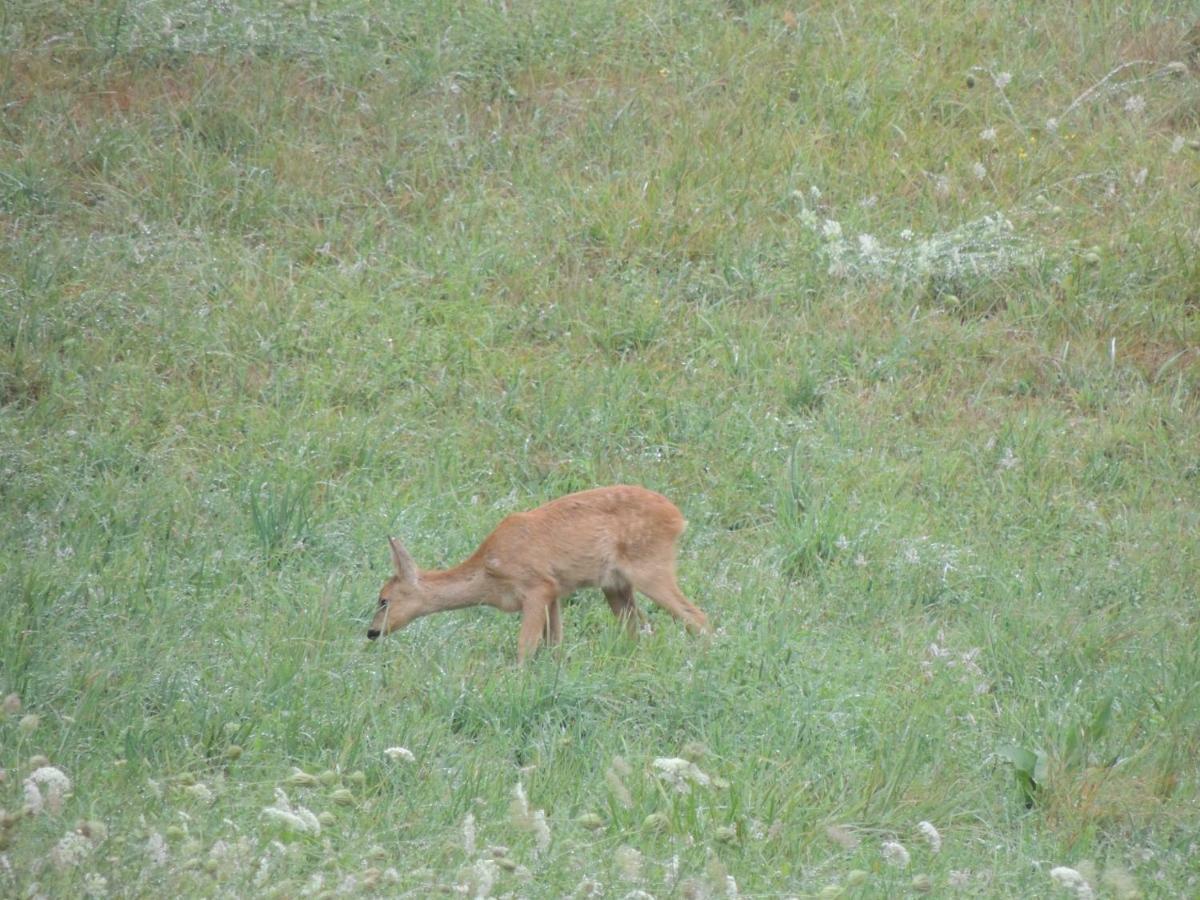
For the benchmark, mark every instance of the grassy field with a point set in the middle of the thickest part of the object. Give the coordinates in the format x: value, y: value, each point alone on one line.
x: 900, y: 304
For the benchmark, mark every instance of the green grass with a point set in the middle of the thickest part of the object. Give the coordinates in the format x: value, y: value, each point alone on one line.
x: 899, y: 304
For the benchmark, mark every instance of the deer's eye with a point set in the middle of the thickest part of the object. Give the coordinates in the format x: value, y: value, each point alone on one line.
x: 383, y: 601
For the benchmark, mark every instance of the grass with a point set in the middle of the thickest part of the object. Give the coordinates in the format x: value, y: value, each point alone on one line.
x: 899, y: 303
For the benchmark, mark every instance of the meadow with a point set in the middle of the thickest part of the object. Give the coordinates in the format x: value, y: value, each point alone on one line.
x: 898, y: 302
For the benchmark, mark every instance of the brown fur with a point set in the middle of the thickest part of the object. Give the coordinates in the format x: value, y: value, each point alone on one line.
x: 618, y: 539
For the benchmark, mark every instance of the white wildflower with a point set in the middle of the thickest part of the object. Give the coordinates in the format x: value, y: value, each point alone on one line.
x: 941, y: 185
x: 541, y: 831
x: 868, y: 246
x: 679, y: 772
x: 483, y: 877
x: 895, y: 854
x: 906, y: 234
x: 156, y: 849
x: 1002, y: 79
x: 1135, y: 104
x: 1177, y: 144
x: 518, y: 809
x: 263, y: 871
x: 71, y: 849
x: 95, y: 885
x: 400, y: 753
x: 988, y: 134
x: 1071, y: 880
x: 1139, y: 177
x: 831, y: 229
x: 979, y: 170
x: 931, y: 835
x: 468, y: 833
x: 296, y: 818
x: 671, y: 872
x: 815, y: 192
x: 1052, y: 126
x: 33, y: 798
x: 808, y: 219
x: 57, y: 786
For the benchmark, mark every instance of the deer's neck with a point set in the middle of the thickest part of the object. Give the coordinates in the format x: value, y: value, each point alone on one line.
x: 463, y: 585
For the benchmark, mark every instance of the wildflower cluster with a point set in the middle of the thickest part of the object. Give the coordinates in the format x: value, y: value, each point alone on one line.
x: 986, y: 247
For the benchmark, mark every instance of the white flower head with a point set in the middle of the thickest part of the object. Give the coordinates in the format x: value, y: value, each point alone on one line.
x: 1002, y: 79
x: 400, y: 753
x: 57, y: 786
x: 468, y: 832
x: 831, y: 229
x: 1177, y: 144
x: 296, y: 818
x: 1052, y: 125
x: 519, y: 807
x: 71, y: 849
x: 541, y: 831
x: 1135, y: 105
x: 979, y: 170
x: 931, y: 835
x: 988, y: 134
x: 1073, y: 881
x: 868, y: 246
x: 895, y: 854
x: 95, y: 885
x: 156, y: 849
x: 483, y: 876
x: 681, y: 774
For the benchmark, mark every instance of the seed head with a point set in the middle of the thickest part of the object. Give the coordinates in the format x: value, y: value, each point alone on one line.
x: 931, y: 835
x: 895, y: 854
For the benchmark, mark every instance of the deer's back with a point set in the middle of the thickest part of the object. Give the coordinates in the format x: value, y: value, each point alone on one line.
x: 585, y: 538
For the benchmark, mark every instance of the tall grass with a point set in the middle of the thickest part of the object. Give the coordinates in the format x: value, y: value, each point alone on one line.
x: 898, y: 303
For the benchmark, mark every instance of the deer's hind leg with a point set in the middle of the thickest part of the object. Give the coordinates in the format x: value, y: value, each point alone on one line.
x: 621, y: 602
x: 554, y: 629
x: 660, y: 586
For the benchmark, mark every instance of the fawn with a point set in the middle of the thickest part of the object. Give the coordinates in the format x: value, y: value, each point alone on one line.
x: 618, y: 539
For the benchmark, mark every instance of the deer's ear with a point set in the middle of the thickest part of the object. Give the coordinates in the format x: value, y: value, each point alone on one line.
x: 406, y: 569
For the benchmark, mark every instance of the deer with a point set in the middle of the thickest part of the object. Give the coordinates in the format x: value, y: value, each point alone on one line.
x: 620, y: 539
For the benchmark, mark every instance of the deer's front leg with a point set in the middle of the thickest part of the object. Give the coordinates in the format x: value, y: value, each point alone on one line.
x: 554, y: 623
x: 535, y: 606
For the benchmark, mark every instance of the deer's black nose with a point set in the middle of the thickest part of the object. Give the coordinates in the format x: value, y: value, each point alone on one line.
x: 372, y: 633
